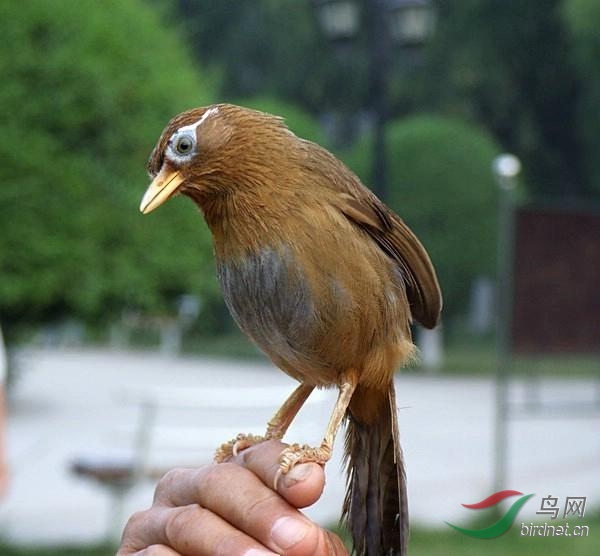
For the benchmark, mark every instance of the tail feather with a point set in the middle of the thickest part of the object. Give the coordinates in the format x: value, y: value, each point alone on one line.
x: 375, y: 508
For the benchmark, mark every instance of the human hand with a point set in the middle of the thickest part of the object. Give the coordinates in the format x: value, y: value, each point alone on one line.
x: 231, y: 509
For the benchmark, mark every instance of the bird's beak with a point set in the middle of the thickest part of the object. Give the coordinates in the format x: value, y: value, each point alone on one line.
x: 163, y: 187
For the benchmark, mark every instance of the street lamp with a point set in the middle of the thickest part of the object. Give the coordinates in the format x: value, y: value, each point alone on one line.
x: 412, y: 22
x: 404, y: 22
x: 505, y: 168
x: 339, y: 19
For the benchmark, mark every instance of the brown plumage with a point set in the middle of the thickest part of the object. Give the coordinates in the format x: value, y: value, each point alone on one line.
x: 322, y: 276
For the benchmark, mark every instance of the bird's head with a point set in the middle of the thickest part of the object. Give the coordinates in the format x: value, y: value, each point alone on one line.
x: 206, y: 152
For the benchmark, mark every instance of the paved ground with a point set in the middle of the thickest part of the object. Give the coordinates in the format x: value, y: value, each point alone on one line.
x: 69, y: 403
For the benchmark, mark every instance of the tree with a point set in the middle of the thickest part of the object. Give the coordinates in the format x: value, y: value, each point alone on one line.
x: 583, y: 20
x: 509, y: 65
x: 273, y: 48
x: 87, y: 88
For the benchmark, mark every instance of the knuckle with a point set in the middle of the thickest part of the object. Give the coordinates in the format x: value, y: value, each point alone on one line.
x: 218, y: 470
x: 166, y: 482
x: 136, y: 522
x: 135, y: 532
x: 213, y: 475
x: 181, y: 520
x: 259, y: 510
x: 170, y: 477
x: 260, y: 504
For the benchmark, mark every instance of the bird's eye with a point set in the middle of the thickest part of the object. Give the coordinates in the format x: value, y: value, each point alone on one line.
x: 184, y: 145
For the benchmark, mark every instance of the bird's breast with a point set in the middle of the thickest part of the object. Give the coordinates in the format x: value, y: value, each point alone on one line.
x: 271, y: 300
x: 316, y: 316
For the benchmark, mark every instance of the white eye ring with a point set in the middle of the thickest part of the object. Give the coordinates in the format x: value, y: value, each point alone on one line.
x: 182, y: 146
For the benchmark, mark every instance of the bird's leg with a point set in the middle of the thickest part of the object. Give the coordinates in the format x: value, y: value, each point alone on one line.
x: 296, y: 454
x: 281, y: 421
x: 276, y: 427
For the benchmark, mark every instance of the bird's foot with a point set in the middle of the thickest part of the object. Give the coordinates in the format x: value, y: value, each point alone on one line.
x: 236, y: 445
x: 295, y: 454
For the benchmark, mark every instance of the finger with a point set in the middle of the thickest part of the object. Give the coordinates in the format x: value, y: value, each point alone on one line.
x: 301, y: 487
x: 185, y: 531
x: 239, y: 497
x: 156, y: 550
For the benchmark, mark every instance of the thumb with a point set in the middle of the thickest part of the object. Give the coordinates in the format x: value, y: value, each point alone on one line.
x: 303, y: 485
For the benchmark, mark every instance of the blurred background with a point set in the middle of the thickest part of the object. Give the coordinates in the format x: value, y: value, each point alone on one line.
x: 113, y: 346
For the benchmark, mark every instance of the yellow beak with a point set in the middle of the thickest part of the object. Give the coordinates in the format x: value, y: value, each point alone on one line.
x: 162, y: 188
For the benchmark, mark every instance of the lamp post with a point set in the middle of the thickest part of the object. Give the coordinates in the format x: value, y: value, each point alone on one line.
x: 412, y: 22
x: 407, y: 23
x: 505, y: 167
x: 339, y: 19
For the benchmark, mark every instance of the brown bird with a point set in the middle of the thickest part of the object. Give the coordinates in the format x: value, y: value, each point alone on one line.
x: 322, y: 276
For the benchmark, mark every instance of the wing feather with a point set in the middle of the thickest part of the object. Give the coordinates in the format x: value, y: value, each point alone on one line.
x: 396, y: 239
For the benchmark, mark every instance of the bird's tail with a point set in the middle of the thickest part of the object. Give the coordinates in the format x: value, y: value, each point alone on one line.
x: 375, y: 508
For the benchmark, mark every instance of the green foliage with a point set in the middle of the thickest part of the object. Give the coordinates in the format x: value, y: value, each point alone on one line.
x: 87, y: 89
x: 508, y: 65
x: 583, y: 20
x: 270, y: 47
x: 441, y: 184
x: 88, y: 86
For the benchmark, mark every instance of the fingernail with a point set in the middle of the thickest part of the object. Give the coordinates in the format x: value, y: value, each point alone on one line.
x: 258, y: 552
x: 288, y: 531
x: 297, y: 475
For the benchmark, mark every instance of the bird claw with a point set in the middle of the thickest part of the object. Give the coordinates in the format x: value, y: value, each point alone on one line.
x: 295, y: 454
x: 232, y: 448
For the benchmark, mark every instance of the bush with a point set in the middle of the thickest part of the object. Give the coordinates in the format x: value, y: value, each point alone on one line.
x: 87, y: 89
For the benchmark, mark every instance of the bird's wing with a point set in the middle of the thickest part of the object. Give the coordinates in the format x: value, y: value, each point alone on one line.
x: 394, y: 237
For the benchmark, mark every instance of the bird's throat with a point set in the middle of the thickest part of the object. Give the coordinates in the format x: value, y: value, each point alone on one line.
x: 240, y: 224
